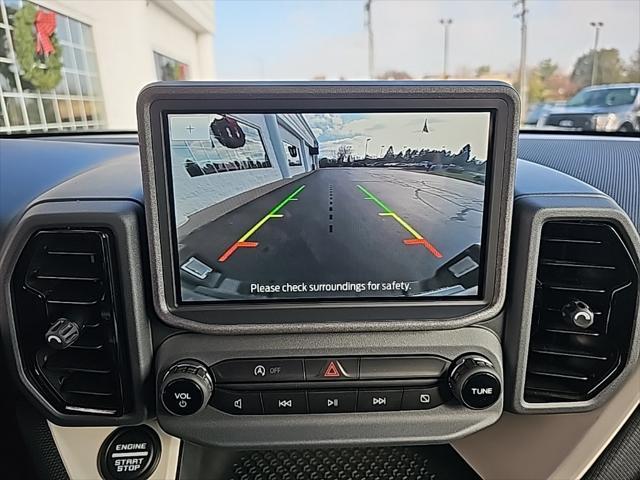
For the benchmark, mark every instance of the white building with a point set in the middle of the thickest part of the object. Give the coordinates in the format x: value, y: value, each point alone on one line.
x: 211, y: 178
x: 109, y: 50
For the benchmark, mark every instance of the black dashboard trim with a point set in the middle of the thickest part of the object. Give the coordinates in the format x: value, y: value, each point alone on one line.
x: 123, y: 218
x: 531, y: 212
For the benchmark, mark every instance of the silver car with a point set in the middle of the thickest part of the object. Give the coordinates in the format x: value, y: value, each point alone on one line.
x: 603, y: 108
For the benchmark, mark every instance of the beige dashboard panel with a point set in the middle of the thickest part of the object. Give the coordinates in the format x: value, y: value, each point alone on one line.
x: 556, y: 447
x: 79, y: 447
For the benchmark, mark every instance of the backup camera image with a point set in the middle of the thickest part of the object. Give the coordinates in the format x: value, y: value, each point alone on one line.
x: 328, y: 205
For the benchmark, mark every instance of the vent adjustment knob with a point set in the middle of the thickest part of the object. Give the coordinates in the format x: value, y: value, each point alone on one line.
x: 63, y: 333
x: 186, y: 388
x: 578, y: 313
x: 474, y: 382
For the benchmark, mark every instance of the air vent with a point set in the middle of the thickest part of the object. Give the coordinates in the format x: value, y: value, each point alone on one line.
x: 70, y: 274
x: 585, y: 300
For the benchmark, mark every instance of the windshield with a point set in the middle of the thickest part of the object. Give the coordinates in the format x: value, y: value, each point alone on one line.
x: 80, y: 65
x: 610, y: 97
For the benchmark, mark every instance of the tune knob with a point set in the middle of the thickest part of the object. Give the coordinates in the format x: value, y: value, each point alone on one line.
x: 186, y: 388
x: 474, y: 382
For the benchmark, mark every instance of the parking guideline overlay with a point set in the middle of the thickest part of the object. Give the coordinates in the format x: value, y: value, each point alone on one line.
x: 243, y: 242
x: 418, y: 238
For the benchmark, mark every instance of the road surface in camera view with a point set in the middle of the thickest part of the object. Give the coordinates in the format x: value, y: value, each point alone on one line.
x: 344, y: 224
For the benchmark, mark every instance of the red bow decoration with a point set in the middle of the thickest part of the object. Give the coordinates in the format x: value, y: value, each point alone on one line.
x: 45, y: 26
x: 182, y: 72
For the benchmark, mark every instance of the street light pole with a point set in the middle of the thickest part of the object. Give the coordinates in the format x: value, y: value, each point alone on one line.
x: 522, y: 15
x: 446, y: 23
x: 594, y: 55
x: 367, y: 10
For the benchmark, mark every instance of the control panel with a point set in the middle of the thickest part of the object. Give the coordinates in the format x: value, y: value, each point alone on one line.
x: 257, y: 391
x: 321, y: 385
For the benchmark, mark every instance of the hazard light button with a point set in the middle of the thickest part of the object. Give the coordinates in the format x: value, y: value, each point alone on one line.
x: 332, y: 369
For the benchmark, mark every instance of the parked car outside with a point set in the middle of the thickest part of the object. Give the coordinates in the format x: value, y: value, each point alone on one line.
x: 538, y: 111
x: 602, y: 108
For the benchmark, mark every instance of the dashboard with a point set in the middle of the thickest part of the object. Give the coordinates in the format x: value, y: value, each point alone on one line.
x: 114, y: 313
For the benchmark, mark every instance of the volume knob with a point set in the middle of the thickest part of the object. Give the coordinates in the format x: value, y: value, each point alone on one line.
x: 474, y: 382
x: 186, y: 388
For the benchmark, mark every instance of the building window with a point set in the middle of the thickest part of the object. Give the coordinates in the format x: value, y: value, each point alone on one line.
x: 293, y: 155
x: 209, y: 157
x: 169, y: 69
x: 76, y: 101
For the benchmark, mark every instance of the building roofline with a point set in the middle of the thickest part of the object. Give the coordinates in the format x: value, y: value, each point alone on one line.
x: 192, y: 14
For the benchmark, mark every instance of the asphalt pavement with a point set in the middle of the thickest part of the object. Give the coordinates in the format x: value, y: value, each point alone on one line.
x: 339, y: 225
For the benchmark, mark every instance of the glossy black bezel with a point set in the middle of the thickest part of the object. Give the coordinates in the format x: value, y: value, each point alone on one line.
x: 158, y: 100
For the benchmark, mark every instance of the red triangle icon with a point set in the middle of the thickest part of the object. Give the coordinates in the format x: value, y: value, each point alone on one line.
x: 331, y: 370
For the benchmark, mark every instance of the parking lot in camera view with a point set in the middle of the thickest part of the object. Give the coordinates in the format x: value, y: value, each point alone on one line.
x: 337, y: 225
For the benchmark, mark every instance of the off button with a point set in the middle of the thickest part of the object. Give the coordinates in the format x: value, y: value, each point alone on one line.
x: 261, y: 370
x: 130, y: 453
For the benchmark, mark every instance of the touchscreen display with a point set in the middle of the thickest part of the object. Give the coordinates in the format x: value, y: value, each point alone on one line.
x: 335, y: 206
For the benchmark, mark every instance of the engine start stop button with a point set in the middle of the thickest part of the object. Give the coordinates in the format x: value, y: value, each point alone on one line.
x: 130, y: 453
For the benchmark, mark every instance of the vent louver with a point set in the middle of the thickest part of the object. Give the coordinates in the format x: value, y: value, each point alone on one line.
x: 70, y: 274
x: 583, y: 265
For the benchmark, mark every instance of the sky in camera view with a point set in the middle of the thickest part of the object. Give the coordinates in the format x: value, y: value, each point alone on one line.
x: 401, y: 131
x: 264, y: 39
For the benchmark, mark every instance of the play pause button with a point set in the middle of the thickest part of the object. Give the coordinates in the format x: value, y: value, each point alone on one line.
x: 332, y: 401
x: 379, y: 400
